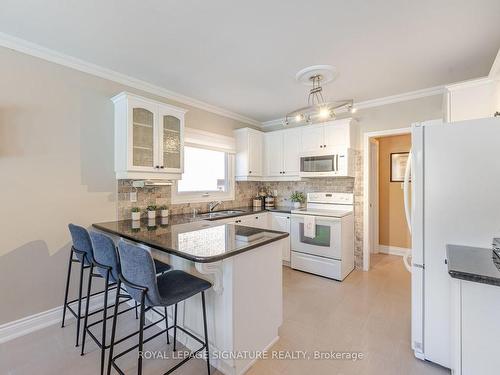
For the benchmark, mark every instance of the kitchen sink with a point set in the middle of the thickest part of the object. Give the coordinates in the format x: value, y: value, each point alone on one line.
x: 220, y: 214
x: 228, y: 212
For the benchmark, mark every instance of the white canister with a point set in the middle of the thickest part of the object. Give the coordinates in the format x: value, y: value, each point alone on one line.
x: 164, y: 213
x: 151, y: 214
x: 136, y: 216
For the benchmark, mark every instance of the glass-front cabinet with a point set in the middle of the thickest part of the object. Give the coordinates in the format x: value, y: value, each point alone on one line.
x: 149, y: 138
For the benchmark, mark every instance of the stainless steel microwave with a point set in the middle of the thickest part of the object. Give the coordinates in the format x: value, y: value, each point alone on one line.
x: 337, y: 164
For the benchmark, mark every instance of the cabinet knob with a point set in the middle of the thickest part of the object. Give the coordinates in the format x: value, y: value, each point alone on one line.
x: 320, y: 146
x: 161, y: 166
x: 324, y: 146
x: 249, y: 171
x: 156, y: 166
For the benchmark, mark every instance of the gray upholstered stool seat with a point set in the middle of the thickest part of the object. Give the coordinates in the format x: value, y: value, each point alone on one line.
x: 176, y: 286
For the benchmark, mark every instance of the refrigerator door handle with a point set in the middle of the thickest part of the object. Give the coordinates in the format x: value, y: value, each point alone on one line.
x: 406, y: 190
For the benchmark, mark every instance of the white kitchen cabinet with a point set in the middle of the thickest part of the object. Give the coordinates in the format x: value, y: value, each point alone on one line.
x: 291, y: 152
x: 274, y: 153
x: 475, y: 328
x: 281, y: 222
x: 249, y: 154
x: 281, y: 155
x: 257, y: 220
x: 326, y: 137
x: 148, y: 138
x: 479, y: 98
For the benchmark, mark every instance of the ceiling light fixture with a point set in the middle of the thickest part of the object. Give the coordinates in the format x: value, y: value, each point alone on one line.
x: 317, y: 108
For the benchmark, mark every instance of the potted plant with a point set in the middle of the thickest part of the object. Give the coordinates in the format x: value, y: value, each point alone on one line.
x: 151, y: 210
x: 163, y: 211
x: 297, y: 199
x: 136, y: 213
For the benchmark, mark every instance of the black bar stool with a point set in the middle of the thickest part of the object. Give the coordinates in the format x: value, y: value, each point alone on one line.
x: 139, y: 278
x: 105, y: 261
x: 81, y: 252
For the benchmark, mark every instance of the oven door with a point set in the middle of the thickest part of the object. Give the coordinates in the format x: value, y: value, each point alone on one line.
x: 322, y: 165
x: 326, y: 243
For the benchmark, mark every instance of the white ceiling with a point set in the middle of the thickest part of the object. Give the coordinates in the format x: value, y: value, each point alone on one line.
x: 243, y: 55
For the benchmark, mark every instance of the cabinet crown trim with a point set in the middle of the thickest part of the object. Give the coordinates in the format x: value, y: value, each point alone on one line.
x: 125, y: 95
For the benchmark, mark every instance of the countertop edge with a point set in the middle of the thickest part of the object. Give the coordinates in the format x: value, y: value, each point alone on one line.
x: 474, y: 278
x: 462, y: 274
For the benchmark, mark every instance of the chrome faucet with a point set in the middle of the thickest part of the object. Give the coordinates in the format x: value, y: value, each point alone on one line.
x: 212, y: 205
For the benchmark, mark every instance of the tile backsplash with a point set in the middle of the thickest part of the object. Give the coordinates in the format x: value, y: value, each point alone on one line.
x: 244, y: 193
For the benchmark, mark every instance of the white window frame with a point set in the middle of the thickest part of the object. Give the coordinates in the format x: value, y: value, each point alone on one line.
x: 208, y: 196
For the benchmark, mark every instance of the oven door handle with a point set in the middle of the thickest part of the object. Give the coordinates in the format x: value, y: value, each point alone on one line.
x: 318, y: 217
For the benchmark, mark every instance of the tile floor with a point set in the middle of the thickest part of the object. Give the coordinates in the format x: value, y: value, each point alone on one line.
x: 369, y: 312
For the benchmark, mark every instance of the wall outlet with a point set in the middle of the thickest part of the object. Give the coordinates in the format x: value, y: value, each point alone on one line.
x: 133, y: 196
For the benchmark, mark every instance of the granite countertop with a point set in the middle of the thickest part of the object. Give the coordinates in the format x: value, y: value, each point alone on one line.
x: 197, y: 240
x: 473, y: 264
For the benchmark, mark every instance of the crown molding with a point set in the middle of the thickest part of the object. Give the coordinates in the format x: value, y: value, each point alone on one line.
x: 411, y: 95
x: 417, y: 94
x: 32, y: 49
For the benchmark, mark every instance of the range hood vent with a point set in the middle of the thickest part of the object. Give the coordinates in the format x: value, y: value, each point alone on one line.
x: 144, y: 183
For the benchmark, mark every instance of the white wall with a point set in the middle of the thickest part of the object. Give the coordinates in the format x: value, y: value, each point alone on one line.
x: 56, y: 167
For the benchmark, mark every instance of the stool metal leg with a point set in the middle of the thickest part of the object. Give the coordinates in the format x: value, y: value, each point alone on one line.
x: 85, y: 321
x: 206, y: 330
x: 175, y: 328
x: 141, y: 334
x: 80, y: 302
x: 166, y: 325
x: 113, y: 327
x: 104, y: 317
x: 67, y: 287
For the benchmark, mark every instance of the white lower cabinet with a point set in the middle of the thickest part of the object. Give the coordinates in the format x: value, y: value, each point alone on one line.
x: 475, y: 328
x: 266, y: 220
x: 281, y: 222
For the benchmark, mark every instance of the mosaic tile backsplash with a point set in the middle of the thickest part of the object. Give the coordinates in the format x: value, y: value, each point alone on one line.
x: 246, y: 191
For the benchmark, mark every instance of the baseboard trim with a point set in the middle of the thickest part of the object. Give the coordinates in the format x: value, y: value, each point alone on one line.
x: 24, y: 326
x: 393, y: 250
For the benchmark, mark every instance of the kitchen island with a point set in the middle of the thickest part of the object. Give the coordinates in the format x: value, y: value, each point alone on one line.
x: 244, y: 306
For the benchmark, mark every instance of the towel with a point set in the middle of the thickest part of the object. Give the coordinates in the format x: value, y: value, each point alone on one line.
x: 309, y: 226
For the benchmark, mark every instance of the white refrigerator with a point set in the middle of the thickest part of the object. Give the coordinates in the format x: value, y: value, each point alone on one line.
x: 455, y: 199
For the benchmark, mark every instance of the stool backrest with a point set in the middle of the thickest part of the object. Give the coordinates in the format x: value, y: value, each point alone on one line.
x: 82, y: 243
x: 137, y: 267
x: 105, y: 253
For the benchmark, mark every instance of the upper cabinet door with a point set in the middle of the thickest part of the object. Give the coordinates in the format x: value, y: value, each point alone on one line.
x: 143, y: 127
x: 149, y: 138
x: 255, y: 151
x: 336, y: 135
x: 312, y: 138
x: 291, y: 152
x: 171, y: 135
x: 274, y: 153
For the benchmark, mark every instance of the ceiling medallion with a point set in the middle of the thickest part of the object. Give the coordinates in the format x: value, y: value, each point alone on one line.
x: 317, y: 108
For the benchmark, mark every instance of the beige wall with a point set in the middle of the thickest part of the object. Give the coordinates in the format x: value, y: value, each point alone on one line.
x: 56, y: 167
x: 393, y: 230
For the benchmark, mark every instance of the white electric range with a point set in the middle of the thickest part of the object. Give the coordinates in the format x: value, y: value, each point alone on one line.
x: 329, y: 250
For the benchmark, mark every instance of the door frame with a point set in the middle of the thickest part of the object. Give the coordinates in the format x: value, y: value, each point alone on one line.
x: 367, y: 181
